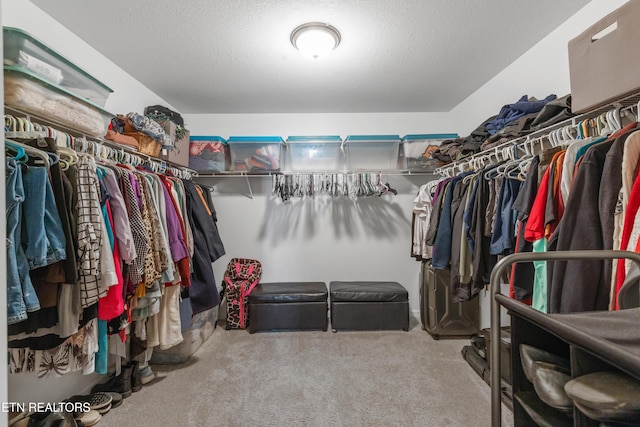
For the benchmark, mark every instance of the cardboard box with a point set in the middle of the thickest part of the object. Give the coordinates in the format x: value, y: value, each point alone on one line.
x: 602, y: 59
x: 180, y: 153
x: 170, y: 129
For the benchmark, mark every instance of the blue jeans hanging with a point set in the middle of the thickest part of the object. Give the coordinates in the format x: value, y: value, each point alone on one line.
x: 21, y: 297
x: 43, y: 235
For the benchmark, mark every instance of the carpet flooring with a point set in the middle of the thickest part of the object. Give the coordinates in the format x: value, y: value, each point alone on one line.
x: 380, y: 378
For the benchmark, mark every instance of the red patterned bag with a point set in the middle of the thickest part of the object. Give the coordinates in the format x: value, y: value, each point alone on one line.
x: 241, y: 276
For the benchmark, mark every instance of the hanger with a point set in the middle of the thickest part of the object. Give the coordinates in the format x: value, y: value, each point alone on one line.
x: 617, y: 117
x: 68, y: 155
x: 19, y: 152
x: 32, y: 152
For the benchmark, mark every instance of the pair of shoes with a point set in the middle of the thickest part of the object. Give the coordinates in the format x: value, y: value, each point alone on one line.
x: 530, y: 354
x: 98, y: 401
x: 127, y: 382
x: 549, y: 373
x: 147, y: 375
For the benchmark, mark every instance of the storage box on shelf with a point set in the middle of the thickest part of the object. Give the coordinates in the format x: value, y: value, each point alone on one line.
x: 208, y: 153
x: 417, y: 150
x: 601, y: 59
x: 28, y: 92
x: 255, y: 153
x: 28, y: 53
x: 372, y: 152
x: 314, y: 153
x: 180, y: 153
x: 146, y: 144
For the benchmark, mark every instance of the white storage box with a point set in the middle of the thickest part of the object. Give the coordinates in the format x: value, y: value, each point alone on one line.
x: 417, y: 150
x: 314, y: 153
x: 25, y: 91
x: 372, y: 152
x: 255, y: 153
x: 24, y: 51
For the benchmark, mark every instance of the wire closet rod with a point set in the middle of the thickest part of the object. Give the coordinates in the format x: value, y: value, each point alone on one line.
x: 621, y: 106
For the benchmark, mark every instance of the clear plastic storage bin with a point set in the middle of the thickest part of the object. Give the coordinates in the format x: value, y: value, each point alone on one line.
x: 28, y: 92
x: 314, y: 153
x: 208, y: 153
x: 372, y: 152
x: 24, y: 51
x: 255, y: 153
x: 417, y: 150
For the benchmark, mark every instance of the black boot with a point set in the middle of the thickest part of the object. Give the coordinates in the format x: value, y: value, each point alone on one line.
x: 120, y: 384
x: 136, y: 379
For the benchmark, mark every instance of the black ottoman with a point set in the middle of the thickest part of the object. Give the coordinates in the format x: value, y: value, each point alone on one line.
x: 369, y: 306
x: 291, y: 306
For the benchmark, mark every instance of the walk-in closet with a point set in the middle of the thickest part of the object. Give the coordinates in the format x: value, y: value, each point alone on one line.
x: 320, y: 213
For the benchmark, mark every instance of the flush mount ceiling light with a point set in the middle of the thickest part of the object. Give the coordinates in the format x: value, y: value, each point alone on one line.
x: 315, y: 40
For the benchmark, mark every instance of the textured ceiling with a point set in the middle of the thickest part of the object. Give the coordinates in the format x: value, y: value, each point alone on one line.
x: 234, y: 56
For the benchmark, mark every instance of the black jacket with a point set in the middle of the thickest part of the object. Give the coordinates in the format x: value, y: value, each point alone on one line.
x: 207, y: 248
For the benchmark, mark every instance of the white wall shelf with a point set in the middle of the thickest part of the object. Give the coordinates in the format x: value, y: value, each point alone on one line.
x: 239, y: 174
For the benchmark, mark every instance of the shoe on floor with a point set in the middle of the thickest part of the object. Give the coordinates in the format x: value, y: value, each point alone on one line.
x: 98, y: 401
x: 609, y: 397
x: 89, y: 418
x: 136, y: 380
x: 116, y: 399
x: 104, y: 409
x: 147, y: 375
x: 119, y: 383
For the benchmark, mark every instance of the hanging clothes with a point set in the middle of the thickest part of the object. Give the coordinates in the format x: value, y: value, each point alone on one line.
x: 579, y: 285
x: 203, y: 293
x: 421, y: 215
x: 442, y: 245
x: 460, y: 258
x: 129, y: 232
x: 483, y: 261
x: 521, y: 278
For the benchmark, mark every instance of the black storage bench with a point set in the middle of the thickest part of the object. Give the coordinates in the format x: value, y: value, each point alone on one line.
x: 369, y: 306
x: 290, y: 306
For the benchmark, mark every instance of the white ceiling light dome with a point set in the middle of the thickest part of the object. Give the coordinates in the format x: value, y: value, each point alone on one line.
x: 315, y: 40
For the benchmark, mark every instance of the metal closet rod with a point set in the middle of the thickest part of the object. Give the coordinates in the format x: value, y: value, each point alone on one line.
x: 494, y: 283
x: 624, y: 104
x: 101, y: 141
